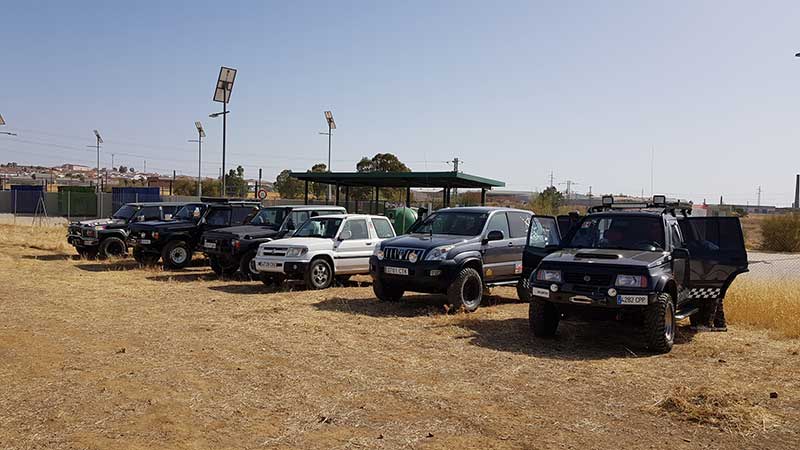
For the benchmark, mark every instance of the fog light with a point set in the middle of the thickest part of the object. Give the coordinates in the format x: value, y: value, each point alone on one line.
x: 554, y: 287
x: 612, y: 292
x: 436, y: 272
x: 412, y: 257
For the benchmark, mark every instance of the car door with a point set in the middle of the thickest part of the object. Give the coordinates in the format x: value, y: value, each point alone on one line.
x: 566, y: 222
x: 518, y: 224
x: 543, y: 238
x: 353, y: 246
x: 716, y: 254
x: 679, y: 265
x: 498, y: 255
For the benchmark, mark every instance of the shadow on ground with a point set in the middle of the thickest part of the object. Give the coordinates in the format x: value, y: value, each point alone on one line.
x: 110, y: 265
x: 573, y: 341
x: 56, y: 257
x: 412, y: 305
x: 185, y: 277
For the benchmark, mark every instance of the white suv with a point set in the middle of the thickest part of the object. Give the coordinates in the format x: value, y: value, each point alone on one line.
x: 322, y: 249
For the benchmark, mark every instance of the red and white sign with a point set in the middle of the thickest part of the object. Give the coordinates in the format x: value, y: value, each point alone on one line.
x: 261, y: 194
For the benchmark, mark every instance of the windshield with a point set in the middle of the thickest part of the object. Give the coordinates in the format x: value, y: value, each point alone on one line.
x: 318, y: 227
x: 125, y: 212
x: 456, y: 223
x: 187, y: 212
x: 269, y: 217
x: 619, y: 232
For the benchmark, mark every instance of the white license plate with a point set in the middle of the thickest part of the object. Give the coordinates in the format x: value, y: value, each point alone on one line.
x: 396, y: 270
x: 631, y: 299
x: 539, y: 292
x: 209, y: 244
x: 268, y: 264
x: 144, y: 241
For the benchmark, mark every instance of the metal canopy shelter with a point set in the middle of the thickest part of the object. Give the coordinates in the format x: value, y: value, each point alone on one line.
x: 408, y: 180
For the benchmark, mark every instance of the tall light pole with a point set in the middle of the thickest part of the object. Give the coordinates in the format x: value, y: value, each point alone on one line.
x: 331, y: 127
x: 200, y: 135
x: 98, y: 141
x: 222, y: 94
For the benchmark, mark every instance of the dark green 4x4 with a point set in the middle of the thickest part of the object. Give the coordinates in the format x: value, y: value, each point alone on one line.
x: 174, y: 241
x: 653, y: 263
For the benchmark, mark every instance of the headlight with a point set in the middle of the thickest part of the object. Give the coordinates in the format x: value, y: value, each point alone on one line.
x: 100, y: 227
x: 439, y: 253
x: 296, y: 251
x: 155, y: 235
x: 631, y: 281
x: 551, y: 276
x: 378, y: 253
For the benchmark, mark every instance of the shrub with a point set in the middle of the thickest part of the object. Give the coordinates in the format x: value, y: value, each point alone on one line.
x: 781, y: 233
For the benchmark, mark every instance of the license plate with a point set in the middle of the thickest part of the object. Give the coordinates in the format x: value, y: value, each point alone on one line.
x: 396, y: 270
x: 144, y: 241
x: 207, y: 244
x: 539, y: 292
x: 268, y: 264
x: 631, y: 299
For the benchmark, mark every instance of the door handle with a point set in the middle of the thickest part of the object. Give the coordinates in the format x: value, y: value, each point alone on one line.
x: 510, y: 244
x: 369, y: 243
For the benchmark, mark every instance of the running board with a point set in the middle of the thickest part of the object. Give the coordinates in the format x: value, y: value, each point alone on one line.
x: 502, y: 283
x: 683, y: 314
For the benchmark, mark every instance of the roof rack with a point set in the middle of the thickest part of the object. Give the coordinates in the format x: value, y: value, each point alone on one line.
x: 658, y: 202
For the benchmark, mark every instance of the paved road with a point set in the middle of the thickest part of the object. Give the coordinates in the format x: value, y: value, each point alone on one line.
x: 780, y: 265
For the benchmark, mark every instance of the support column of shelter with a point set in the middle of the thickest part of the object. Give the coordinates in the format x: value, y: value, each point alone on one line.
x: 305, y: 197
x: 483, y: 197
x: 336, y: 186
x: 408, y: 196
x: 347, y: 197
x: 377, y: 196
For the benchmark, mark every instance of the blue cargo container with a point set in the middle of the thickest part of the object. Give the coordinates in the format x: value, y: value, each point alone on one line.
x: 123, y: 195
x: 24, y: 198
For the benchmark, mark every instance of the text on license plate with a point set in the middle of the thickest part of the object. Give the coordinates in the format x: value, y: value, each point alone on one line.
x: 396, y: 270
x: 631, y: 299
x: 144, y: 241
x: 209, y: 244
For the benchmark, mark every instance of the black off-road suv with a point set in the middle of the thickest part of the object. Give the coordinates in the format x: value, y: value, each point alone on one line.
x: 174, y: 241
x: 107, y: 237
x: 454, y: 251
x: 233, y: 249
x: 652, y: 263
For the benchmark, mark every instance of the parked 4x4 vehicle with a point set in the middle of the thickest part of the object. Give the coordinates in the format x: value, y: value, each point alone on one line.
x: 454, y: 251
x: 107, y: 237
x: 324, y: 249
x: 653, y: 263
x: 233, y: 249
x: 174, y: 241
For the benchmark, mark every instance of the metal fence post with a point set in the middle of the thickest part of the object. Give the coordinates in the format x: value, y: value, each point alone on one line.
x: 15, y: 207
x: 69, y: 200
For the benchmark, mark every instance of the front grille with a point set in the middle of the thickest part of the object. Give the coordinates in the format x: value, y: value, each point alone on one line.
x: 273, y: 251
x: 588, y: 279
x: 401, y: 254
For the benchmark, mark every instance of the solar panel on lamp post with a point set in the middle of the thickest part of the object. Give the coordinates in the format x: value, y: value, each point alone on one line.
x: 331, y: 126
x: 222, y: 94
x: 200, y: 135
x: 3, y: 122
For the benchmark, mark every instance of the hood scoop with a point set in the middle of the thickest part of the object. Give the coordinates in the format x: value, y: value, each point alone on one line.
x: 597, y: 255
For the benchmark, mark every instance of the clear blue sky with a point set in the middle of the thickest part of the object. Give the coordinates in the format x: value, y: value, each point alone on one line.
x: 515, y: 89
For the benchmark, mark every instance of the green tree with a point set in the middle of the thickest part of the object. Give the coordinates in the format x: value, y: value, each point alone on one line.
x: 184, y: 186
x: 211, y: 188
x: 235, y: 184
x: 381, y: 162
x: 287, y: 186
x: 548, y: 201
x: 319, y: 189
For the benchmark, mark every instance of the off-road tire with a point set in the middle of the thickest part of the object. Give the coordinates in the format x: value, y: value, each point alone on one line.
x: 144, y: 258
x: 220, y: 268
x: 245, y: 266
x: 386, y: 292
x: 112, y: 246
x: 271, y: 279
x: 659, y: 324
x: 319, y: 274
x: 87, y: 252
x: 466, y: 290
x: 543, y: 318
x: 523, y: 292
x: 172, y: 251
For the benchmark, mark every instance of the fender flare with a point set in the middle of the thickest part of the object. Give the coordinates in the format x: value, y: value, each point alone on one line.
x: 470, y: 257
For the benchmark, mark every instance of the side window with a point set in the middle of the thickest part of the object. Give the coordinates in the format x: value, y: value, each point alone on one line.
x: 498, y: 222
x: 518, y: 224
x: 240, y: 213
x: 219, y: 216
x: 675, y: 236
x: 357, y: 228
x: 383, y: 228
x: 712, y: 234
x: 543, y: 232
x: 150, y: 213
x: 296, y: 218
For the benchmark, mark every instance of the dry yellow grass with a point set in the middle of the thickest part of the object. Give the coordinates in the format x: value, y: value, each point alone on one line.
x: 105, y: 355
x: 764, y: 303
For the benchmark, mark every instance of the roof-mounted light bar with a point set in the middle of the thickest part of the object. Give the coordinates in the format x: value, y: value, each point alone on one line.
x: 608, y: 200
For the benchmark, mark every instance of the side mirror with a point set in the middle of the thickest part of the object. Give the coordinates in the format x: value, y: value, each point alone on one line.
x: 680, y: 253
x: 140, y: 218
x: 345, y: 235
x: 495, y: 235
x: 167, y: 216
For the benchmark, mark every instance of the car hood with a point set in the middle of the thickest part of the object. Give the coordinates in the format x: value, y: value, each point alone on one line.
x: 98, y: 222
x: 424, y: 241
x: 607, y: 257
x: 172, y: 225
x: 310, y: 243
x: 252, y: 231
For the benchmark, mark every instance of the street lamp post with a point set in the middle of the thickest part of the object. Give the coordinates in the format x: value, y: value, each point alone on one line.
x: 3, y: 122
x: 200, y: 135
x: 331, y: 127
x: 222, y: 94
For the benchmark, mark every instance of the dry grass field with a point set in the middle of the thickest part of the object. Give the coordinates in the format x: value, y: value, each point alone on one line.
x: 108, y: 355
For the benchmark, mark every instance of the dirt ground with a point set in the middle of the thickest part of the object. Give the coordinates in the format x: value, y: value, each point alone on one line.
x: 108, y: 355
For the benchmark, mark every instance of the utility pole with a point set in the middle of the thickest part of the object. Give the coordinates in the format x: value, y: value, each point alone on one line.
x: 145, y: 167
x: 455, y: 162
x: 551, y: 179
x: 172, y: 183
x: 258, y: 186
x: 590, y: 193
x: 759, y: 196
x: 569, y: 184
